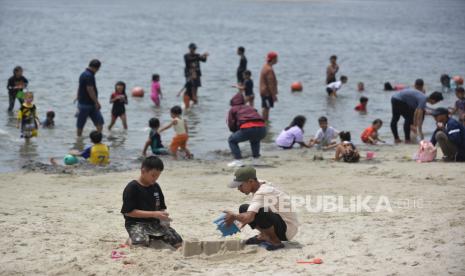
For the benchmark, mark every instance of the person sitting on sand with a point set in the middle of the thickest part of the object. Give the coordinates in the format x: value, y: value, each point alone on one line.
x: 370, y: 134
x: 144, y: 208
x: 325, y: 135
x: 450, y: 135
x: 266, y: 212
x: 333, y: 87
x: 346, y: 150
x: 292, y: 134
x: 98, y: 154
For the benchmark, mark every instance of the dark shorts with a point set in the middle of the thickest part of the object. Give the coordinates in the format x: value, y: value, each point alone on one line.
x: 141, y: 233
x: 195, y: 83
x: 267, y: 102
x: 329, y: 91
x: 88, y: 111
x: 265, y: 220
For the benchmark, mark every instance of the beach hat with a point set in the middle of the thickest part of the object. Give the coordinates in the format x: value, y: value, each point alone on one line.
x: 241, y: 175
x: 440, y: 111
x: 271, y: 55
x: 192, y: 46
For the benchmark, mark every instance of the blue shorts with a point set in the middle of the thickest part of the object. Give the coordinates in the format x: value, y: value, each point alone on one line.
x: 88, y: 111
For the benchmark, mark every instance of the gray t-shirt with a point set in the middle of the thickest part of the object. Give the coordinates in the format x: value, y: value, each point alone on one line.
x: 412, y: 97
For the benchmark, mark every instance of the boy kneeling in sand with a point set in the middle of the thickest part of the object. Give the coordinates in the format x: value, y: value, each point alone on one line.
x: 144, y: 208
x: 266, y: 213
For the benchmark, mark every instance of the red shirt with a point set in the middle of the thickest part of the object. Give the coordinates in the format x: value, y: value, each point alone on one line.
x: 361, y: 107
x: 367, y: 133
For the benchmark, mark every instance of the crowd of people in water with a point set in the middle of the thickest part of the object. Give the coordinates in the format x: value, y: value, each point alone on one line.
x: 245, y: 121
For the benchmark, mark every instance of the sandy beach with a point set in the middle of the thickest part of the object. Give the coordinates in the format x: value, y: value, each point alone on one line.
x: 67, y: 224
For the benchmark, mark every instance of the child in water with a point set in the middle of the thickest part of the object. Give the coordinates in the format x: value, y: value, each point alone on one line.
x: 346, y: 150
x: 182, y: 135
x: 119, y: 99
x: 370, y: 134
x: 459, y: 107
x: 187, y: 94
x: 27, y: 117
x: 362, y: 107
x: 292, y: 134
x: 333, y: 87
x: 154, y: 141
x: 49, y: 120
x: 156, y: 94
x: 99, y: 153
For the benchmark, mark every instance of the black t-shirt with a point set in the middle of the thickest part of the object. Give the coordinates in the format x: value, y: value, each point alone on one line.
x: 248, y: 87
x: 136, y: 196
x: 156, y: 140
x: 242, y: 65
x: 193, y: 64
x: 87, y: 78
x: 14, y: 81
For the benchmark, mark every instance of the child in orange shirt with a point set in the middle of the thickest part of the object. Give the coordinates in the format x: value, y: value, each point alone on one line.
x: 370, y: 134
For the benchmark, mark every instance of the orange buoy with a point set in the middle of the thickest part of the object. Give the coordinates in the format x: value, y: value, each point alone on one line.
x: 296, y: 86
x: 137, y: 92
x: 458, y: 80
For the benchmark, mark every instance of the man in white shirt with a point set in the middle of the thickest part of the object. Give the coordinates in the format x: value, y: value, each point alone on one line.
x: 269, y: 211
x: 333, y: 87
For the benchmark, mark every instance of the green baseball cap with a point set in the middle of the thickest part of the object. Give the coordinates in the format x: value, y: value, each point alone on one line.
x: 243, y: 174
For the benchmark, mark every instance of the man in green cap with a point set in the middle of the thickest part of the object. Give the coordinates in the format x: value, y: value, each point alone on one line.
x: 269, y: 211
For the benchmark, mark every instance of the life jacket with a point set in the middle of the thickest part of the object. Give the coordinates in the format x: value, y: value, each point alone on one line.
x: 99, y: 155
x: 28, y: 114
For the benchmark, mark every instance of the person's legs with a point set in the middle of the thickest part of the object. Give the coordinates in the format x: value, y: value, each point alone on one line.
x: 395, y: 118
x: 256, y: 134
x: 234, y: 140
x: 82, y: 118
x: 97, y: 118
x: 124, y: 120
x: 449, y: 150
x: 408, y: 114
x: 11, y: 100
x: 271, y: 226
x: 138, y: 234
x: 113, y: 120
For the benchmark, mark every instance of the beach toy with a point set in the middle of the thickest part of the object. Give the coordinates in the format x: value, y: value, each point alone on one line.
x: 115, y: 255
x: 312, y: 261
x: 370, y: 155
x: 137, y: 91
x: 398, y: 87
x: 70, y: 159
x: 225, y: 230
x: 296, y: 86
x: 458, y: 80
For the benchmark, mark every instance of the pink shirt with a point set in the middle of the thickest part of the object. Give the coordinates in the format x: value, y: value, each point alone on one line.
x: 155, y: 88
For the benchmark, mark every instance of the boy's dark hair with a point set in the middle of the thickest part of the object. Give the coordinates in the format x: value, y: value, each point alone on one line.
x: 388, y: 86
x: 344, y: 78
x: 445, y: 80
x: 95, y: 63
x: 50, y: 114
x: 152, y: 163
x: 333, y: 57
x: 299, y: 121
x: 322, y: 119
x: 17, y: 69
x: 241, y: 49
x: 176, y: 110
x: 155, y: 77
x: 460, y: 90
x: 95, y: 137
x: 154, y: 123
x: 436, y: 96
x: 363, y: 99
x: 377, y: 121
x: 247, y: 73
x: 345, y: 136
x: 123, y: 84
x: 419, y: 83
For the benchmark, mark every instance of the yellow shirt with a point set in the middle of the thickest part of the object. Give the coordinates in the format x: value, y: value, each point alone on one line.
x: 99, y: 154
